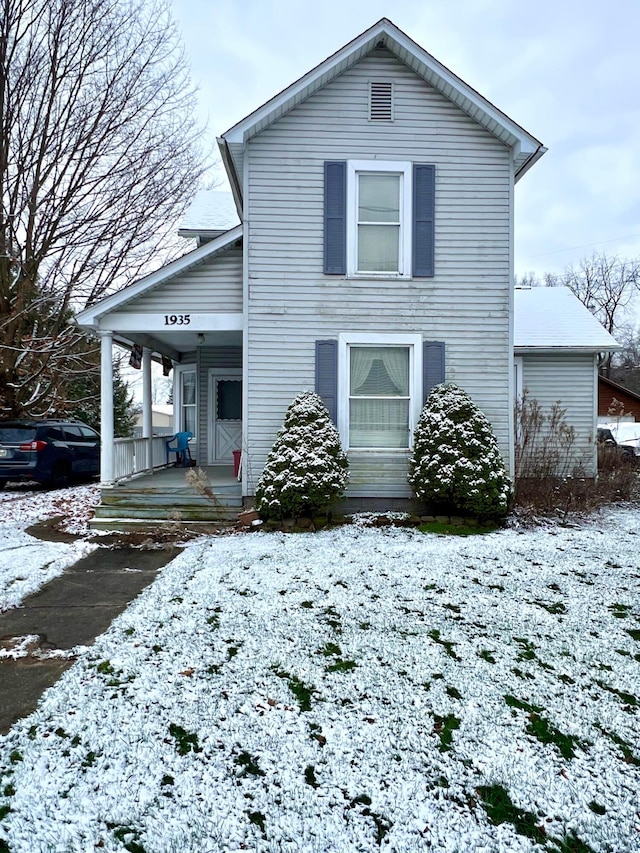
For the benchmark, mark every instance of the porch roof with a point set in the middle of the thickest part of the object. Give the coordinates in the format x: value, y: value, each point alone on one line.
x: 90, y: 317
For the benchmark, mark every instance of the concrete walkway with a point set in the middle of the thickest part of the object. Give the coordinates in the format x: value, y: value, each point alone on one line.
x: 69, y: 611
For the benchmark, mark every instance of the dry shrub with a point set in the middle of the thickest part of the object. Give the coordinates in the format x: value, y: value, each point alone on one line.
x: 550, y: 479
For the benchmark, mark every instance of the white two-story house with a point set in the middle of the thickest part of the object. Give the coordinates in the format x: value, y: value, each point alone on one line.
x: 368, y: 255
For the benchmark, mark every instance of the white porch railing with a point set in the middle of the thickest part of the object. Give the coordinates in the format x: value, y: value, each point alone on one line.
x: 131, y: 455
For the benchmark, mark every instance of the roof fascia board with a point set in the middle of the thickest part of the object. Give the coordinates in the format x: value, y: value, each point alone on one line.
x: 550, y: 350
x: 91, y: 315
x: 232, y: 175
x: 351, y: 52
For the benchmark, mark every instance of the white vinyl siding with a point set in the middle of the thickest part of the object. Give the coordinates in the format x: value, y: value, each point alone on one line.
x: 570, y: 379
x: 212, y: 286
x: 291, y: 303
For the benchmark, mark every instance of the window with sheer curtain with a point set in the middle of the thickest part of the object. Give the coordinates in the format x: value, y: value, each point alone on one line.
x: 188, y: 401
x: 379, y: 396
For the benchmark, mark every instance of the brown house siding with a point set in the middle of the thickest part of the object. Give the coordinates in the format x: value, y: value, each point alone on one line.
x: 608, y: 391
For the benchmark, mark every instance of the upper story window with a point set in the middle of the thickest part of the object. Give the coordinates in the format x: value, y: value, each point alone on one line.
x: 378, y: 218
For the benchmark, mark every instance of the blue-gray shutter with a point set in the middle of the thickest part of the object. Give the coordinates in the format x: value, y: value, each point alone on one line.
x: 432, y: 365
x: 335, y: 217
x: 424, y: 204
x: 327, y: 376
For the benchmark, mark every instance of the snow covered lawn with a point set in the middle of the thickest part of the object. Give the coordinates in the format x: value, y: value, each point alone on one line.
x: 352, y: 690
x: 27, y: 563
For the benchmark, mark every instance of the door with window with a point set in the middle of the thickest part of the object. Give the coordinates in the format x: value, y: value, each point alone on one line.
x: 225, y: 404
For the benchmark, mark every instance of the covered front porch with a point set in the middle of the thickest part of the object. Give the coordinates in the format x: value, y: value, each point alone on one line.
x: 187, y: 316
x: 171, y: 495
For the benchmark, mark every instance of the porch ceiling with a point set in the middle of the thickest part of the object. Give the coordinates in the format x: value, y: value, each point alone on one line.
x: 171, y: 343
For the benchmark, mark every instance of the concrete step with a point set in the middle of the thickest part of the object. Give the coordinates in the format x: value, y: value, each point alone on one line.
x: 166, y: 499
x: 168, y: 513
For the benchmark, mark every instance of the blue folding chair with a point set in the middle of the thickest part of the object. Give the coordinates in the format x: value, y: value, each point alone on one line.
x: 181, y: 449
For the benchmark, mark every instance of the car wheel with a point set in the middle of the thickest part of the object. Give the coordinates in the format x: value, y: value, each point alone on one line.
x: 59, y: 476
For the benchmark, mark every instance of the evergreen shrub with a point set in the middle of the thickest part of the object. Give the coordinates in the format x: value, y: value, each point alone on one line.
x: 306, y: 468
x: 456, y: 462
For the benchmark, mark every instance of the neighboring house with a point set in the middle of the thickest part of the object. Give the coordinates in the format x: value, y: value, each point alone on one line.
x: 610, y: 396
x: 371, y: 258
x: 161, y: 420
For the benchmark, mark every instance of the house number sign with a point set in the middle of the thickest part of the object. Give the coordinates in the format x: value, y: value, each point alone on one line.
x: 177, y: 319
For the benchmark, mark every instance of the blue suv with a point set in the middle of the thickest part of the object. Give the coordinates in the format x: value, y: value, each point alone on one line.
x: 47, y: 451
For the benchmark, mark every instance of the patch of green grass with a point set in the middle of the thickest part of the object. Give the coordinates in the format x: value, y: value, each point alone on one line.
x: 332, y: 618
x: 625, y: 749
x: 634, y: 633
x: 546, y: 732
x: 341, y: 666
x: 9, y: 790
x: 185, y: 741
x: 4, y: 811
x: 627, y: 698
x: 310, y: 776
x: 249, y: 764
x: 512, y: 702
x: 446, y: 529
x: 446, y: 644
x: 597, y: 808
x: 105, y: 668
x: 454, y: 693
x: 90, y: 760
x: 444, y: 728
x: 300, y: 690
x: 121, y: 833
x: 129, y: 632
x: 307, y: 605
x: 619, y: 611
x: 330, y: 649
x: 381, y: 823
x: 500, y: 809
x: 555, y: 609
x: 570, y: 843
x: 259, y: 820
x: 485, y: 654
x: 15, y: 756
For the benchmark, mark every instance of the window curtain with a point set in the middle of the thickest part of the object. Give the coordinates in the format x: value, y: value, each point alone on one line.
x: 379, y: 372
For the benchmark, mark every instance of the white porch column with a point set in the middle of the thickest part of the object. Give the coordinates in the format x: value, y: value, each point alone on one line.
x: 107, y: 468
x: 147, y: 425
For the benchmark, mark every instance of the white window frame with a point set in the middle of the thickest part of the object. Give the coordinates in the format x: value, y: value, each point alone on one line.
x: 178, y: 373
x: 392, y: 167
x: 517, y: 378
x: 370, y: 339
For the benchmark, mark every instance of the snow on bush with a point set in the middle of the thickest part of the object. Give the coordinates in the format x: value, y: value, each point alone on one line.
x: 456, y: 461
x: 306, y: 468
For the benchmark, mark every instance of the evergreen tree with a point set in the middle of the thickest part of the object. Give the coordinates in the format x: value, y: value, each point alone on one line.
x: 306, y: 468
x: 456, y: 462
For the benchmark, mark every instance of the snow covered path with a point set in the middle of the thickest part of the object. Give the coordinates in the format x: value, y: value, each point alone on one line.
x: 352, y: 690
x: 27, y: 563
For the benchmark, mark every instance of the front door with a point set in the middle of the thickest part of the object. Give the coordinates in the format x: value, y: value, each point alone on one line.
x: 225, y: 405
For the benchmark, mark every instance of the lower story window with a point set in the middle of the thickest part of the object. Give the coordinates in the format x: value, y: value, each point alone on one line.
x: 188, y: 401
x: 379, y: 396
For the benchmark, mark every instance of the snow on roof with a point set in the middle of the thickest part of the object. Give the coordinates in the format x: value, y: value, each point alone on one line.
x: 552, y: 317
x: 210, y: 210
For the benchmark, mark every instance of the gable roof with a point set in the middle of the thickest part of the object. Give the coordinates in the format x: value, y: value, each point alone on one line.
x: 527, y: 149
x: 552, y: 318
x: 91, y: 316
x: 210, y: 212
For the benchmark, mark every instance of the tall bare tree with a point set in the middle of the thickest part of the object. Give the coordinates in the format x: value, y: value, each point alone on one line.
x: 607, y: 286
x: 99, y: 154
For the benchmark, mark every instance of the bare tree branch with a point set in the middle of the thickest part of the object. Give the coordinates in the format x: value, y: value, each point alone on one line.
x: 99, y: 155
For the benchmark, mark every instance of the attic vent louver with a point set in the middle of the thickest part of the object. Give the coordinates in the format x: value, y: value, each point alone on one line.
x: 380, y: 101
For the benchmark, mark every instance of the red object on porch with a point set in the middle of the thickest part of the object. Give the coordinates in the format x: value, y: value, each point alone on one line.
x: 237, y: 454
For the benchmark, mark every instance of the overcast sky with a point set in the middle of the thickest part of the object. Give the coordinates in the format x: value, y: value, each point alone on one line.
x: 566, y: 70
